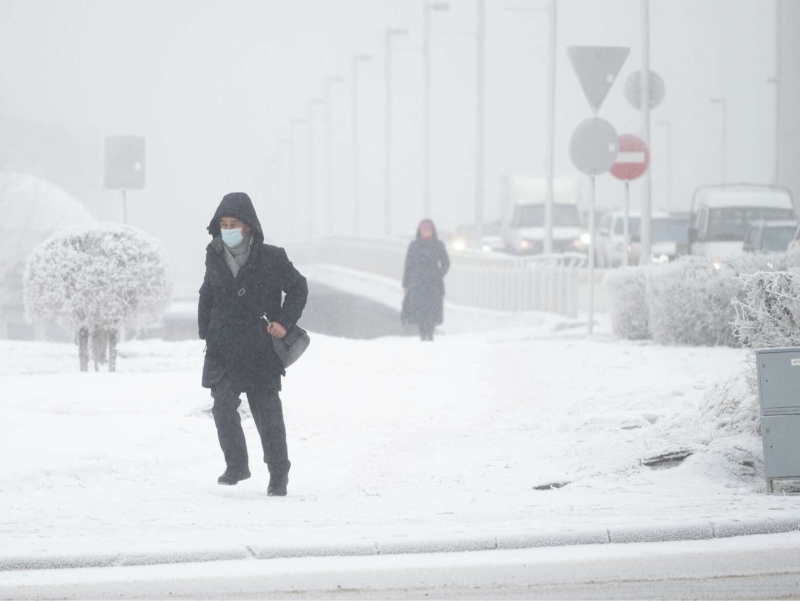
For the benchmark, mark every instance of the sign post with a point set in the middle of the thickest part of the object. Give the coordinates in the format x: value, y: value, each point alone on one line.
x: 594, y: 144
x: 632, y: 162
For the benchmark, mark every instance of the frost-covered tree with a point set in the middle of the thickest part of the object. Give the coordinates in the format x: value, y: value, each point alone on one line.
x: 95, y: 280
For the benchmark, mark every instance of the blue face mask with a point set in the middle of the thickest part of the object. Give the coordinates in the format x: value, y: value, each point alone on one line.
x: 232, y: 237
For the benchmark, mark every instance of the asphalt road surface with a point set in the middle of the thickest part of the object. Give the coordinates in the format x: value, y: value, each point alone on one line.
x: 756, y: 567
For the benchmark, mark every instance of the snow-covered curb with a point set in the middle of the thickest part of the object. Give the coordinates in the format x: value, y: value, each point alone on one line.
x: 644, y: 533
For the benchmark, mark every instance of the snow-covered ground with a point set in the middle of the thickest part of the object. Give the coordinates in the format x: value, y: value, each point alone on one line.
x: 390, y: 438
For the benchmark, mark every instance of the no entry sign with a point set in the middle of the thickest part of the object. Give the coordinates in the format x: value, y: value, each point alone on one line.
x: 633, y: 158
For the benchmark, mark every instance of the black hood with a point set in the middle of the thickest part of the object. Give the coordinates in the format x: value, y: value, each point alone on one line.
x: 238, y: 205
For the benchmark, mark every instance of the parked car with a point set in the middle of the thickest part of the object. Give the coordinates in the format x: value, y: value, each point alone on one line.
x: 721, y: 215
x: 669, y: 232
x: 769, y: 236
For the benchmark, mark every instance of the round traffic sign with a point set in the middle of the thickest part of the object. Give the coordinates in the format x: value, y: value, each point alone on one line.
x: 633, y: 89
x: 593, y: 147
x: 633, y: 158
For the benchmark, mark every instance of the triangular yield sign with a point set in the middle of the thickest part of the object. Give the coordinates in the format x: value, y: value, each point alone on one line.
x: 597, y: 68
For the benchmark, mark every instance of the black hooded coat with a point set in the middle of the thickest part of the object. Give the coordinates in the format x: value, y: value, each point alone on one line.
x: 230, y: 308
x: 426, y: 265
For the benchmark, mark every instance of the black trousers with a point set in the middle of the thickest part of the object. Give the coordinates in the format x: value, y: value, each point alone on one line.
x: 426, y: 331
x: 265, y: 405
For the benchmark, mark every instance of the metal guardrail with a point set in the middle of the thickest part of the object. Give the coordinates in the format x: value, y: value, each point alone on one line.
x: 556, y: 283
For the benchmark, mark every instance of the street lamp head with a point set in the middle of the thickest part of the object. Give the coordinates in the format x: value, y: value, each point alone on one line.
x: 439, y: 6
x: 364, y: 58
x: 397, y: 31
x: 316, y: 102
x: 717, y: 101
x: 335, y: 79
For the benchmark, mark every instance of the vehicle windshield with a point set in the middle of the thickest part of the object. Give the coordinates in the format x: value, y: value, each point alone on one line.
x: 664, y: 230
x: 777, y: 238
x: 729, y: 224
x: 533, y: 216
x: 634, y: 225
x: 670, y: 230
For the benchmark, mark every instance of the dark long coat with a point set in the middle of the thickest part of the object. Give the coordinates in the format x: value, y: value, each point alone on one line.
x: 230, y: 308
x: 426, y: 265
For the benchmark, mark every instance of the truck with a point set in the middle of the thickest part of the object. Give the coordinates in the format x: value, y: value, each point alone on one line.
x: 523, y: 227
x: 722, y: 214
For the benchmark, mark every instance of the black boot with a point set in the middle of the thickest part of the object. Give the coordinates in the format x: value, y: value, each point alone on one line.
x: 277, y: 485
x: 233, y: 475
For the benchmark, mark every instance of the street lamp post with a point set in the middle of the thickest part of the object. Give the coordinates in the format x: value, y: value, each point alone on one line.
x: 428, y: 7
x: 391, y: 33
x: 646, y: 228
x: 329, y: 83
x: 723, y: 104
x: 311, y: 205
x: 480, y: 95
x: 667, y: 125
x: 357, y: 60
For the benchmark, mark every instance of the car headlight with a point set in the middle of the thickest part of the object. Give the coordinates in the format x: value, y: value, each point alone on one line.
x: 486, y: 248
x: 525, y: 245
x: 459, y: 244
x: 659, y: 258
x: 718, y: 265
x: 586, y: 238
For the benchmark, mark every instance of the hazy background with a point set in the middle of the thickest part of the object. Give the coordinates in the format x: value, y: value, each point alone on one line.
x: 213, y: 85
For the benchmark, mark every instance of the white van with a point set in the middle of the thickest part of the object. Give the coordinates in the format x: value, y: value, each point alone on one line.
x: 721, y: 215
x: 523, y: 222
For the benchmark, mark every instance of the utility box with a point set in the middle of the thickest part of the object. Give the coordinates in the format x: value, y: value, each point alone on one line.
x: 779, y: 397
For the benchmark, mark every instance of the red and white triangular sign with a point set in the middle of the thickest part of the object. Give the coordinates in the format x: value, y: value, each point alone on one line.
x: 597, y: 68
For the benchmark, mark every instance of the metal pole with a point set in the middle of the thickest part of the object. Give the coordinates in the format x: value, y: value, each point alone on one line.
x: 626, y: 225
x: 479, y: 121
x: 124, y: 206
x: 647, y: 201
x: 329, y: 152
x: 551, y: 129
x: 387, y: 192
x: 356, y: 154
x: 668, y: 204
x: 329, y: 158
x: 592, y: 244
x: 724, y: 142
x: 778, y: 68
x: 427, y: 205
x: 311, y: 170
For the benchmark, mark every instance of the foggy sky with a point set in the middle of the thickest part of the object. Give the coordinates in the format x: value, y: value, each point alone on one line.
x: 213, y: 85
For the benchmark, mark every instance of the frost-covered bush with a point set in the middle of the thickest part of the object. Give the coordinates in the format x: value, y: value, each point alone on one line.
x: 689, y: 301
x: 768, y: 314
x: 96, y: 280
x: 627, y: 302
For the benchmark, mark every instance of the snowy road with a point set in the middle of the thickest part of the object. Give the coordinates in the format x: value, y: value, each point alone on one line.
x: 390, y: 439
x: 756, y: 567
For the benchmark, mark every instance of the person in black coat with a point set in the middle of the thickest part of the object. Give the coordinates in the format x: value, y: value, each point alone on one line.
x: 423, y: 280
x: 245, y: 279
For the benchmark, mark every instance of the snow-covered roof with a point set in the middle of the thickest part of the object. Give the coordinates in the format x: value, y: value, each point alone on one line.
x: 742, y: 195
